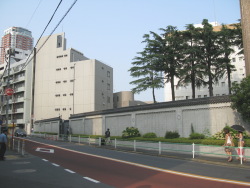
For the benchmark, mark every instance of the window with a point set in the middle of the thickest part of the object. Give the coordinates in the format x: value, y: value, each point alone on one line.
x: 234, y: 59
x: 64, y: 94
x: 108, y: 99
x: 222, y: 84
x: 187, y: 97
x: 108, y: 86
x: 108, y: 74
x: 205, y: 96
x: 59, y: 41
x: 65, y: 68
x: 199, y: 96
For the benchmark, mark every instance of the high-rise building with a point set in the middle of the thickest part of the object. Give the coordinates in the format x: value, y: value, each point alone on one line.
x: 19, y: 39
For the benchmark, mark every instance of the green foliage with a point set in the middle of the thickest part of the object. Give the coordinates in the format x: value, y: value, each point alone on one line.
x: 241, y: 98
x: 130, y: 132
x: 196, y: 136
x: 149, y: 135
x: 171, y: 135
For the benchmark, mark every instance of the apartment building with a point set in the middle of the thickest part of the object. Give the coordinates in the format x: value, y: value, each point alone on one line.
x: 17, y: 38
x: 67, y: 82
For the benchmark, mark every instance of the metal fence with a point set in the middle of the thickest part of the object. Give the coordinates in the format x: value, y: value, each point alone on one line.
x: 157, y: 148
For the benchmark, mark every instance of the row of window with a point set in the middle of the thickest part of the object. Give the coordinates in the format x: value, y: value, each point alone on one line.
x: 64, y: 109
x: 199, y: 96
x: 59, y: 56
x: 64, y: 81
x: 58, y: 95
x: 65, y: 68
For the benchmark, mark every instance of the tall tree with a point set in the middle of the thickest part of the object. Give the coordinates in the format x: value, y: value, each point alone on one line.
x: 210, y: 53
x: 191, y: 69
x: 167, y: 50
x: 225, y: 42
x: 145, y: 70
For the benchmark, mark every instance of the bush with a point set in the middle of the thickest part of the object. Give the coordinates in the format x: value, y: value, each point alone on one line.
x: 149, y: 135
x: 130, y: 132
x: 196, y: 136
x: 171, y: 135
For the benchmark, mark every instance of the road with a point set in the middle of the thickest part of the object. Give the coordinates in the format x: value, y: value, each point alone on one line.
x: 119, y: 169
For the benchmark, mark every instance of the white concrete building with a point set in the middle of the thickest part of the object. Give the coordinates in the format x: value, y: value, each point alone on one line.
x: 67, y: 82
x: 19, y: 110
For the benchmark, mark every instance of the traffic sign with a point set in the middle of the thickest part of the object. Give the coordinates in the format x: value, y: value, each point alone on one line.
x: 9, y: 91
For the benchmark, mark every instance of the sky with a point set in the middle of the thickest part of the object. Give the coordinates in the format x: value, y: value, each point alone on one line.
x: 111, y: 30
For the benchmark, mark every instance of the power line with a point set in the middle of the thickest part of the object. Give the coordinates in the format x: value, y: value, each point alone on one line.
x: 26, y: 63
x: 33, y: 13
x: 42, y: 34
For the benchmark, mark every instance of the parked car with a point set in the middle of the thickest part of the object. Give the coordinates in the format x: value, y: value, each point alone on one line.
x: 20, y: 132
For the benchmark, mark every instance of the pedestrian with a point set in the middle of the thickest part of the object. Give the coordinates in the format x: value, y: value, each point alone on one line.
x: 3, y: 144
x: 107, y: 136
x: 241, y: 143
x: 228, y: 144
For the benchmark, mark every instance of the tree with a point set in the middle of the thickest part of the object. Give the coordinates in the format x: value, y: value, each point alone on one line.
x: 238, y: 37
x: 210, y: 53
x: 241, y: 98
x: 191, y: 70
x: 144, y: 69
x: 225, y: 42
x: 168, y: 47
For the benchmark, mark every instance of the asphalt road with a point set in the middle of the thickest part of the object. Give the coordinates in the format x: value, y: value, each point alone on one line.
x: 74, y: 165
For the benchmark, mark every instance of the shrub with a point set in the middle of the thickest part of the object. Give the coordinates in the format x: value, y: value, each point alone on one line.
x: 149, y: 135
x: 130, y: 132
x: 171, y: 135
x: 196, y: 136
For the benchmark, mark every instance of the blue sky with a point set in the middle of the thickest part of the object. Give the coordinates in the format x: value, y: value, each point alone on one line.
x: 111, y: 30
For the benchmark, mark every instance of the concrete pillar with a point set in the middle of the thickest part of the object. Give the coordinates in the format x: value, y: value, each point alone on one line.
x: 245, y: 21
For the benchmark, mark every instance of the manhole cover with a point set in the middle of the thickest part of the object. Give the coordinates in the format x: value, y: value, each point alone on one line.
x: 25, y: 171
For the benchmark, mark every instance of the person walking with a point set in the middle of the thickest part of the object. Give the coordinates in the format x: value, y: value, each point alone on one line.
x: 3, y: 144
x: 228, y: 144
x: 107, y: 136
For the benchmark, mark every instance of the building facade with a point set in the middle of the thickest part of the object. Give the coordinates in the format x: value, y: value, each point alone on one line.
x: 220, y: 88
x: 67, y: 82
x: 19, y: 39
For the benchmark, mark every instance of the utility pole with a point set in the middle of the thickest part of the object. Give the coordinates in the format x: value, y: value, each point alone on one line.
x: 10, y: 52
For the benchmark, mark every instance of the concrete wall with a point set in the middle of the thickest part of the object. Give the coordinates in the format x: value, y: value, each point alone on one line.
x: 205, y: 115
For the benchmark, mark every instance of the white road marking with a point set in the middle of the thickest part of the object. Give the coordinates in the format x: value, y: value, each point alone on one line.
x: 70, y: 171
x: 46, y: 150
x: 55, y: 164
x: 152, y: 168
x: 45, y: 160
x: 90, y: 179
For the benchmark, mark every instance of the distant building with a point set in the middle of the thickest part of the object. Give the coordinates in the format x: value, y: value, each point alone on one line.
x: 67, y: 82
x: 125, y: 99
x: 19, y: 39
x: 219, y: 89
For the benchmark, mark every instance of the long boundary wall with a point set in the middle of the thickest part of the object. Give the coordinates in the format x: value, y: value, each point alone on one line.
x: 207, y: 115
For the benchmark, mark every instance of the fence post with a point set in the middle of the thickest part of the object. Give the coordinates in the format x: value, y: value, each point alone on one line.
x: 193, y: 150
x: 69, y: 138
x: 23, y: 145
x: 241, y: 153
x: 159, y: 147
x: 115, y: 143
x: 89, y: 140
x: 13, y: 144
x: 134, y: 145
x: 100, y: 141
x: 79, y: 139
x: 18, y: 146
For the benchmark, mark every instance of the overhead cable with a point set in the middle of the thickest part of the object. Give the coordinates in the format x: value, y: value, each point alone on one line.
x: 26, y: 63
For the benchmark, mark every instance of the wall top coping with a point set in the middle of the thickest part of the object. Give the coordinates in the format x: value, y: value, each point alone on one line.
x: 171, y: 104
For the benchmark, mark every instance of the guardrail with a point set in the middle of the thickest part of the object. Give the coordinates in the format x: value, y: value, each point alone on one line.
x: 158, y: 148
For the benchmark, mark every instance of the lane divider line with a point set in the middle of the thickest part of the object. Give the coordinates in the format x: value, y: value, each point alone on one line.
x: 45, y: 160
x: 90, y: 179
x: 55, y: 164
x: 70, y: 171
x: 150, y: 167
